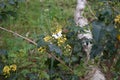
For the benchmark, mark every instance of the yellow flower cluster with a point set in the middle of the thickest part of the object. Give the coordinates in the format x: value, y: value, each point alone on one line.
x: 41, y: 49
x: 61, y: 40
x: 58, y: 30
x: 118, y: 37
x: 67, y: 50
x: 56, y: 34
x: 13, y: 67
x: 47, y: 38
x: 7, y: 69
x: 68, y: 47
x: 117, y: 19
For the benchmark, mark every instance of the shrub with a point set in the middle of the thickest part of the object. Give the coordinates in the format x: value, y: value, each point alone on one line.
x: 8, y: 8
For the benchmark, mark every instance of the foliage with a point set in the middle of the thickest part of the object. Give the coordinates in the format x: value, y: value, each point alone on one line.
x: 106, y: 33
x: 25, y: 67
x: 8, y: 8
x: 105, y: 38
x: 59, y: 54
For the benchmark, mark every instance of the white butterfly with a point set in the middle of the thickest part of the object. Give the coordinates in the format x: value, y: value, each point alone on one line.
x: 57, y: 35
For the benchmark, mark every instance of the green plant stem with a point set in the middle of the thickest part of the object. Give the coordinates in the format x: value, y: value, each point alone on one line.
x: 34, y: 43
x: 91, y: 11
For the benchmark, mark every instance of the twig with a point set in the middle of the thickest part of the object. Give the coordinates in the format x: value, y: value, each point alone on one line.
x: 25, y: 38
x: 62, y: 62
x: 29, y: 40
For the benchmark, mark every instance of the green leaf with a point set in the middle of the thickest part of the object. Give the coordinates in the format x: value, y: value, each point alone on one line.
x: 3, y: 52
x: 24, y: 72
x: 12, y: 2
x: 12, y: 13
x: 44, y: 75
x: 80, y: 69
x: 98, y: 30
x: 111, y: 30
x: 41, y: 41
x: 2, y: 5
x: 96, y: 50
x: 117, y: 66
x: 54, y: 48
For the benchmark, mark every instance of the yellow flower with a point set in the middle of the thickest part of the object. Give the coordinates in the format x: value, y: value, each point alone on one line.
x: 118, y: 16
x: 47, y: 38
x: 68, y: 46
x: 13, y: 67
x: 117, y: 19
x: 58, y: 30
x: 118, y: 37
x: 41, y: 49
x: 61, y: 41
x: 6, y: 70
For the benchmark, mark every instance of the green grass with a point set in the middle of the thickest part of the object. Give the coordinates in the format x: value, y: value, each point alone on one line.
x: 35, y: 17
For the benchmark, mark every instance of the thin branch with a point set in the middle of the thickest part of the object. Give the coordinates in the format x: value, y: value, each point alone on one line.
x: 62, y: 62
x: 29, y: 40
x: 25, y: 38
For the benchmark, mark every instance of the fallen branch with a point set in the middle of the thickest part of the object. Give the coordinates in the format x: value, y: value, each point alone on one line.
x: 25, y: 38
x: 62, y: 62
x: 34, y: 43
